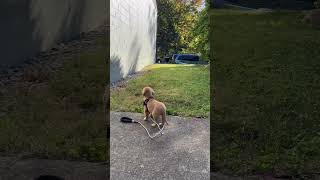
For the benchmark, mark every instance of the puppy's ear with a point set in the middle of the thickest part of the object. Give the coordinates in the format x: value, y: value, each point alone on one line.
x: 143, y: 92
x: 152, y: 92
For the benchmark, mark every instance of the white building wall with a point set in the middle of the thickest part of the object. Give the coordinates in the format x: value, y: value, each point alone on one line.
x: 31, y: 26
x: 133, y: 28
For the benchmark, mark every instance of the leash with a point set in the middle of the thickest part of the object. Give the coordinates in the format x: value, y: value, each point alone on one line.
x: 129, y: 120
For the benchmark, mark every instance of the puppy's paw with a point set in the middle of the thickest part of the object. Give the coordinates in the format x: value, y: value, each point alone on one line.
x: 153, y: 124
x: 160, y: 124
x: 145, y: 118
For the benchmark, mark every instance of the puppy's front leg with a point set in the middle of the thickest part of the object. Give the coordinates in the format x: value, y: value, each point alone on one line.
x: 146, y: 114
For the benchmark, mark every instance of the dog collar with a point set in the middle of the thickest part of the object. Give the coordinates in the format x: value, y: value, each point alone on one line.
x: 145, y: 102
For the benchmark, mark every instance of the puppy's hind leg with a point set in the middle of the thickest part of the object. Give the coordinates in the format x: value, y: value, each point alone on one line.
x: 155, y: 119
x: 164, y: 119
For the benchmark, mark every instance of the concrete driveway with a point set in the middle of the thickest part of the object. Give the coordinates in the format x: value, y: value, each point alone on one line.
x: 181, y: 153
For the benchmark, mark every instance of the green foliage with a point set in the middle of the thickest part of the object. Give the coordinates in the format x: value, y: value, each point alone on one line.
x: 199, y: 36
x: 316, y: 4
x: 167, y: 35
x: 181, y: 28
x: 209, y: 4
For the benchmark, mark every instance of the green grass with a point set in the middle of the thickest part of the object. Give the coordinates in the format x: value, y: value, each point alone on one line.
x: 61, y: 118
x: 266, y: 80
x: 183, y: 89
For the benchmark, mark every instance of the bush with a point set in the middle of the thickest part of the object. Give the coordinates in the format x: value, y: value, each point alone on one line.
x: 317, y: 4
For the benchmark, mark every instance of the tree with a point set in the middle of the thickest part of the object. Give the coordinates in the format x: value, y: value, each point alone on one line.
x: 176, y: 22
x: 167, y: 35
x: 200, y: 36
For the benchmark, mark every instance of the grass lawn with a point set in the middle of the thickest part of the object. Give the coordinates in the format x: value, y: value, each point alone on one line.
x: 61, y: 118
x: 266, y: 80
x: 183, y: 88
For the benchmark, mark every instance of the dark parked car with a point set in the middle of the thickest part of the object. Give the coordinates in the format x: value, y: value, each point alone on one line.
x: 187, y: 59
x: 174, y: 57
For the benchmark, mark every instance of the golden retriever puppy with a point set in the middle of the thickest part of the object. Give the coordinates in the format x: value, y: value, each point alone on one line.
x: 153, y: 108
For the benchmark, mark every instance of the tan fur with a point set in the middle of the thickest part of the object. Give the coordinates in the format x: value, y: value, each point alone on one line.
x: 156, y: 109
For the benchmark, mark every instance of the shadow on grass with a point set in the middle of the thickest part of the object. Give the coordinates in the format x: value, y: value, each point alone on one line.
x: 62, y: 118
x: 265, y: 94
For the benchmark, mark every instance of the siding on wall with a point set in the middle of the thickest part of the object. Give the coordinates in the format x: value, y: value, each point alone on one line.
x: 133, y: 26
x: 31, y: 26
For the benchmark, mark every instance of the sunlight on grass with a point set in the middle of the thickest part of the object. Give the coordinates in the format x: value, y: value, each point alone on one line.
x: 156, y: 66
x: 183, y: 88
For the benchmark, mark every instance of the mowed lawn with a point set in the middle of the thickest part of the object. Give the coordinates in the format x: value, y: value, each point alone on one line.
x: 266, y: 80
x: 62, y: 117
x: 183, y: 88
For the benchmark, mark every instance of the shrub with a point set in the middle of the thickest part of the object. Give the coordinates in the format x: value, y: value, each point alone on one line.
x: 316, y: 4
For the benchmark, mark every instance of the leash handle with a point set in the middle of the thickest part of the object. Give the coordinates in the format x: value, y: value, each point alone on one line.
x: 127, y: 120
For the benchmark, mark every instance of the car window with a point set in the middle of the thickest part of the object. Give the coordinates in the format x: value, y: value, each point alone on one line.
x: 188, y: 57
